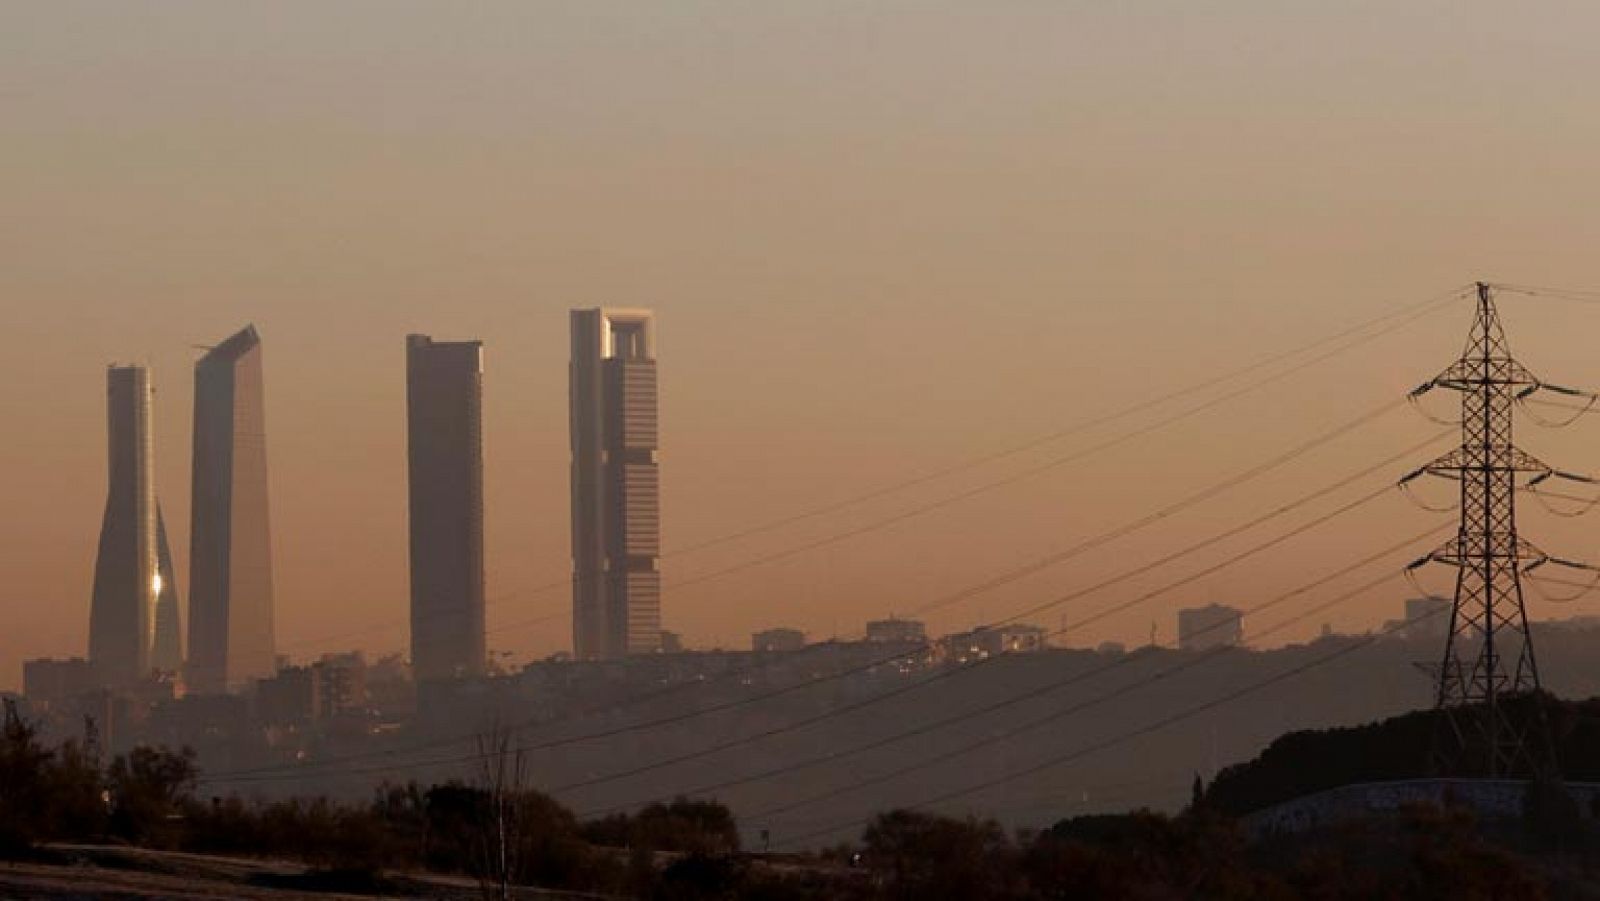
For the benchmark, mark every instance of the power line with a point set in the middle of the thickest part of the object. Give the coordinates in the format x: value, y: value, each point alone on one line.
x: 1092, y: 702
x: 1405, y: 315
x: 1581, y: 295
x: 296, y: 771
x: 1048, y: 465
x: 1116, y: 792
x: 1014, y: 478
x: 1163, y: 513
x: 1205, y: 494
x: 1137, y: 571
x: 952, y: 672
x: 1050, y: 688
x: 1051, y: 438
x: 1122, y: 738
x: 1408, y: 315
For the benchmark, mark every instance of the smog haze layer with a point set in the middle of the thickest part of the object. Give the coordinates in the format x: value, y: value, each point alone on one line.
x: 880, y: 240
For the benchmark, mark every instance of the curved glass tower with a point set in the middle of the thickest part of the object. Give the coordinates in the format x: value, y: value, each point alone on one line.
x: 122, y: 613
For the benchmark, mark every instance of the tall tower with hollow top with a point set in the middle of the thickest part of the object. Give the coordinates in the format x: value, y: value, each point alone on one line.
x: 616, y: 496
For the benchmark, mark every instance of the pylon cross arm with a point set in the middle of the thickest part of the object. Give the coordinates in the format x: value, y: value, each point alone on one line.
x: 1474, y: 373
x: 1456, y: 461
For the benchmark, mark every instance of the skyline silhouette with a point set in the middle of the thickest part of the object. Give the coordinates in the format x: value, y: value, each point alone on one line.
x: 871, y: 264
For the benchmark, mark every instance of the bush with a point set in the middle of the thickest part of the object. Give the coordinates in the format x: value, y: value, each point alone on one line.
x: 150, y: 789
x: 925, y: 855
x: 23, y: 774
x: 45, y: 795
x: 700, y: 876
x: 682, y: 827
x: 77, y: 808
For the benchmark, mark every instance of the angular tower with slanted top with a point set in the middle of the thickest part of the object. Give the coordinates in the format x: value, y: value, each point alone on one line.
x: 230, y: 541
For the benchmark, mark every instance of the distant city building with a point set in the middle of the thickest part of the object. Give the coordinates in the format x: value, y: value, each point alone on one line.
x: 389, y: 668
x: 444, y: 406
x: 230, y: 542
x: 671, y: 642
x: 289, y: 698
x: 616, y: 507
x: 1211, y: 626
x: 1019, y: 637
x: 51, y: 682
x: 1112, y: 648
x: 134, y: 609
x: 1427, y: 617
x: 301, y: 695
x: 897, y: 630
x: 779, y: 639
x: 341, y: 682
x: 991, y: 641
x: 389, y: 686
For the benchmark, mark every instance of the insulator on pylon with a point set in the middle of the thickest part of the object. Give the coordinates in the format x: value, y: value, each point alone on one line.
x: 1578, y: 412
x: 1583, y: 588
x: 1415, y: 400
x: 1416, y: 499
x: 1585, y: 505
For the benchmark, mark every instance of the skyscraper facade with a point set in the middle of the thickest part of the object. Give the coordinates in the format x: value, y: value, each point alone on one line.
x: 166, y: 649
x: 616, y: 502
x: 230, y: 543
x: 122, y: 611
x: 444, y: 407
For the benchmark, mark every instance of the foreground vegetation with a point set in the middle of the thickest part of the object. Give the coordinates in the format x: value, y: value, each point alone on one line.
x: 1304, y: 763
x: 504, y: 835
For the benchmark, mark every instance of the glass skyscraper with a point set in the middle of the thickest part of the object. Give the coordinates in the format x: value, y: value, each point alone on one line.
x: 616, y: 498
x: 444, y: 421
x: 122, y: 613
x: 230, y: 542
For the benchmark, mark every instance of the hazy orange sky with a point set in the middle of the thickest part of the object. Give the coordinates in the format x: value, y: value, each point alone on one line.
x: 881, y: 238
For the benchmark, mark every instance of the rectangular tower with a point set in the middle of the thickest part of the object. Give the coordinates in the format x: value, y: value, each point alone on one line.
x: 230, y: 543
x: 444, y: 414
x: 616, y: 504
x: 122, y: 614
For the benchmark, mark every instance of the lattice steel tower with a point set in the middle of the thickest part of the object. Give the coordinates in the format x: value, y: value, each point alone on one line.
x: 1488, y: 654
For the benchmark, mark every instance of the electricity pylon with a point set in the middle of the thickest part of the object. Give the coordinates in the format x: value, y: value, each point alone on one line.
x: 1488, y: 653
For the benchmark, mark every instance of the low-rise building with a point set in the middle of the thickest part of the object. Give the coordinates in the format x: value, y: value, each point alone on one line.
x: 341, y: 683
x: 1211, y: 626
x: 292, y: 698
x: 47, y: 682
x: 1427, y: 617
x: 991, y: 641
x: 894, y: 629
x: 779, y: 639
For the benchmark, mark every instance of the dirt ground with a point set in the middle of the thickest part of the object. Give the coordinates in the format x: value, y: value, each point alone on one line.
x: 125, y: 874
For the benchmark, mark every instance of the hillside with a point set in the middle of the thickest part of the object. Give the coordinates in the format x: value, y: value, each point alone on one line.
x: 1308, y: 761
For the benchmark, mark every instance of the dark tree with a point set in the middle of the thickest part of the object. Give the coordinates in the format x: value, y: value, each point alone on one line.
x: 925, y: 855
x: 149, y: 787
x: 23, y: 767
